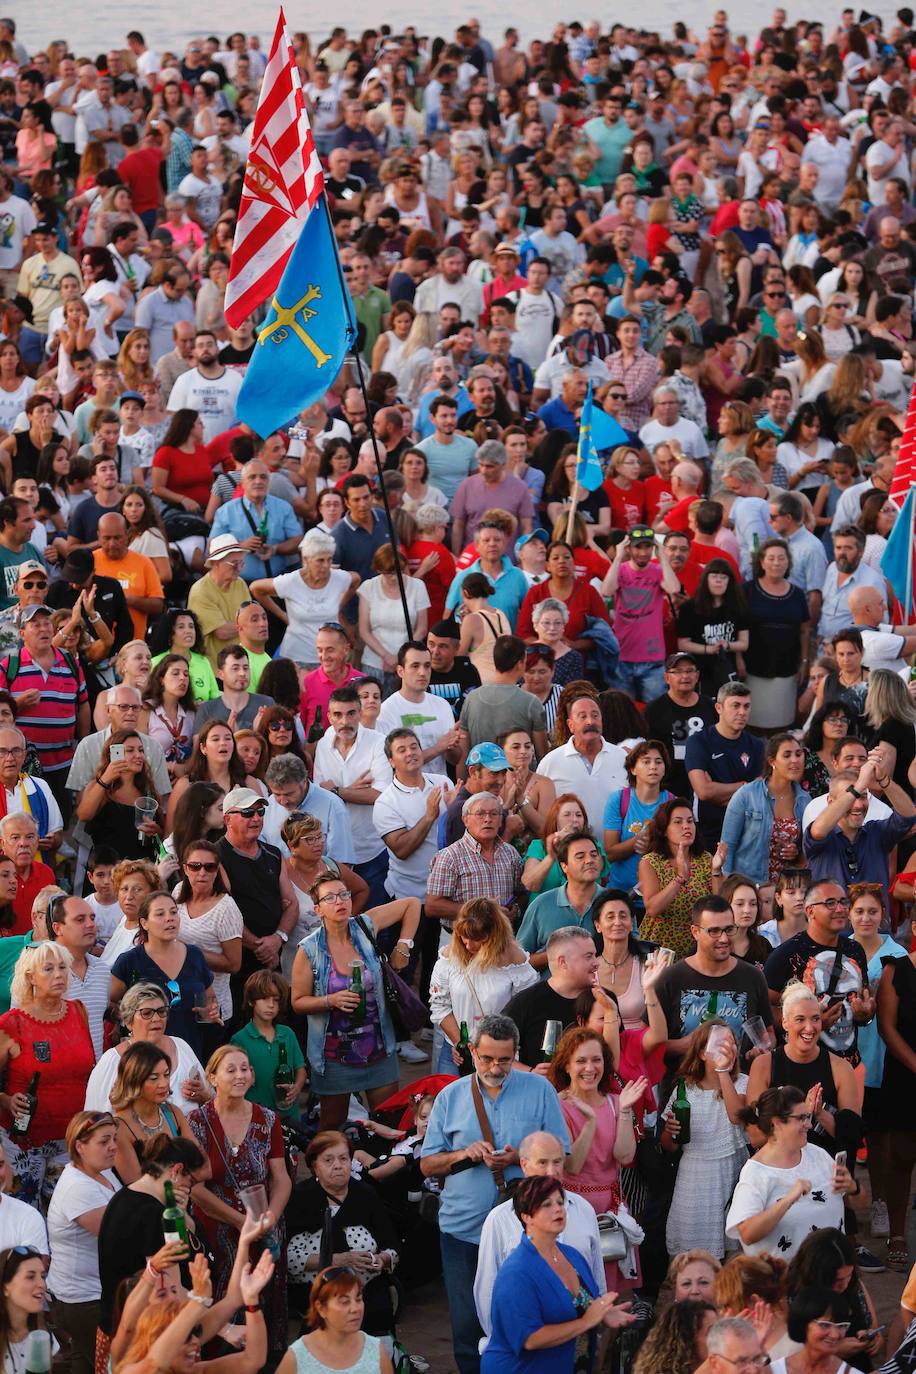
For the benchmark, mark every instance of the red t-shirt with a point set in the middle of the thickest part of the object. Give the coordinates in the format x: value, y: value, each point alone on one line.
x: 657, y: 238
x: 218, y: 448
x: 652, y: 490
x: 61, y: 1051
x: 699, y: 556
x: 628, y: 508
x: 584, y: 601
x: 676, y: 516
x: 589, y: 562
x: 187, y: 474
x: 726, y: 217
x: 438, y: 579
x: 139, y: 172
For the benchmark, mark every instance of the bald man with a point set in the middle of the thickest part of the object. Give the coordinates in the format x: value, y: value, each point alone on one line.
x: 135, y: 571
x: 886, y: 646
x: 686, y: 479
x: 540, y: 1155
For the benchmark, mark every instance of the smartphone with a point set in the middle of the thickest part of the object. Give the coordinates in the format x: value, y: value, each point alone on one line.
x: 870, y: 1335
x: 840, y: 1158
x: 117, y: 753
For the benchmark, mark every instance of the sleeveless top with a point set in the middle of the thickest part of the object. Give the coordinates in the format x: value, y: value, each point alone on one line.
x: 255, y: 886
x: 497, y: 624
x: 784, y: 1073
x: 369, y: 1361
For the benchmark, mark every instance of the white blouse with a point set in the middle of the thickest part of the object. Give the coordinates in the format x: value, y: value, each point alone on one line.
x: 470, y: 993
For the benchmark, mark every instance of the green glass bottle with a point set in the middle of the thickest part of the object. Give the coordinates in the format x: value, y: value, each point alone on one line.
x: 285, y: 1077
x: 356, y: 986
x: 466, y: 1066
x: 174, y: 1226
x: 23, y: 1121
x: 681, y: 1111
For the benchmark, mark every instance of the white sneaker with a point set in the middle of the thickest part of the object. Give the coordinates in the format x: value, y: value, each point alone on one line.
x: 411, y: 1052
x: 426, y: 1035
x: 880, y: 1222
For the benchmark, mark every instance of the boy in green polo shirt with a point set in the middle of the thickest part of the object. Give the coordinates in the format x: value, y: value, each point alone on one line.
x: 264, y: 996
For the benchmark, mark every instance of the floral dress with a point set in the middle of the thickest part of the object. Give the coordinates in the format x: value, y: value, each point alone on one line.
x: 672, y: 927
x: 785, y: 843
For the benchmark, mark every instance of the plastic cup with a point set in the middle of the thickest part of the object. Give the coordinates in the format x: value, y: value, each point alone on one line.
x: 254, y: 1200
x: 720, y: 1038
x: 755, y: 1030
x: 145, y: 809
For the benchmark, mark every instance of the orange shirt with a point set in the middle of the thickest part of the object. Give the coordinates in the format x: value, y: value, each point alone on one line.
x: 138, y: 577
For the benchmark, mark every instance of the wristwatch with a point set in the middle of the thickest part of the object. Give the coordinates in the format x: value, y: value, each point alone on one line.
x: 408, y: 944
x: 854, y: 791
x: 283, y: 936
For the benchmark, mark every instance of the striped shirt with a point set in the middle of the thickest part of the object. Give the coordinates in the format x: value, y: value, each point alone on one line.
x: 93, y: 991
x: 460, y: 872
x: 51, y: 724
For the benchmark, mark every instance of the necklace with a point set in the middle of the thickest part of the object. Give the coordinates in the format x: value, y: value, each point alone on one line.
x: 157, y: 1126
x: 615, y: 964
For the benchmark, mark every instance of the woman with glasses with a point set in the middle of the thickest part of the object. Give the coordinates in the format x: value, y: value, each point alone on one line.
x: 106, y: 806
x: 178, y: 632
x: 827, y: 1260
x: 833, y: 722
x: 210, y: 919
x: 305, y: 840
x: 838, y: 336
x: 281, y: 728
x: 790, y: 1187
x: 351, y: 1038
x: 52, y: 1035
x: 180, y: 970
x: 805, y: 1062
x: 818, y: 1318
x: 315, y: 594
x: 141, y: 1107
x: 214, y: 759
x: 83, y: 1191
x: 143, y: 1012
x: 550, y: 619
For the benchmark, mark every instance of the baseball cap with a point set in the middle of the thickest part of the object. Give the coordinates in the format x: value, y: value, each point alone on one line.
x: 222, y: 546
x: 642, y: 534
x: 29, y: 613
x: 674, y: 659
x: 240, y: 798
x: 31, y: 565
x: 130, y: 396
x: 539, y: 533
x: 489, y: 756
x: 79, y: 565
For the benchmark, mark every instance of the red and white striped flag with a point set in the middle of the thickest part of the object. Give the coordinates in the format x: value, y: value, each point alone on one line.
x: 283, y: 180
x: 905, y: 467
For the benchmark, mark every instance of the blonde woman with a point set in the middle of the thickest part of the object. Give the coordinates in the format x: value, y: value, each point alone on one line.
x: 416, y: 359
x: 479, y: 971
x: 891, y: 711
x: 53, y: 1040
x: 141, y: 1107
x: 133, y: 667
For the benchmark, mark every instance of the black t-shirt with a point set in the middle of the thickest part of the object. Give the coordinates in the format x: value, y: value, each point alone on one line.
x: 903, y: 738
x: 672, y: 725
x: 110, y: 604
x: 813, y: 964
x: 531, y: 1010
x: 231, y: 356
x: 711, y: 629
x: 454, y: 685
x: 686, y: 997
x: 130, y: 1232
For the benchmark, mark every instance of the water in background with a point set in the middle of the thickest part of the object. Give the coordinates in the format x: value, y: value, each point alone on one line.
x: 98, y: 26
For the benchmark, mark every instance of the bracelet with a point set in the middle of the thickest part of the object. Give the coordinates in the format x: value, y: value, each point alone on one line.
x: 200, y: 1298
x: 152, y: 1273
x: 723, y: 1070
x: 105, y: 786
x: 252, y: 1307
x: 94, y: 619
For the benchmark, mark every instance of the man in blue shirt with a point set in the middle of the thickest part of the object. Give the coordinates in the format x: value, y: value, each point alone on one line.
x: 477, y: 1159
x: 265, y: 526
x: 840, y: 843
x: 509, y: 582
x: 357, y: 536
x: 721, y: 758
x: 573, y: 904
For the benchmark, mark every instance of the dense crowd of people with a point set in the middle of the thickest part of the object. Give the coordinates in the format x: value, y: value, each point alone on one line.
x: 518, y: 905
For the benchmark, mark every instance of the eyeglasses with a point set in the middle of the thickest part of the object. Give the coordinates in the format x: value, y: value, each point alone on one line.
x: 617, y: 395
x: 249, y: 811
x: 826, y: 1325
x: 198, y: 866
x: 336, y: 897
x: 11, y: 752
x: 535, y: 651
x: 749, y: 1361
x: 716, y: 932
x: 834, y: 903
x: 488, y: 1060
x: 277, y: 725
x: 774, y: 293
x: 805, y: 1117
x: 152, y: 1013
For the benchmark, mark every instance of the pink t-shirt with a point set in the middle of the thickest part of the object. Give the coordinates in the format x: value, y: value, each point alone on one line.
x: 638, y: 613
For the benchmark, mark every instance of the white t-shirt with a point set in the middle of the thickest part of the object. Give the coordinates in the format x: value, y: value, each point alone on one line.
x: 878, y: 154
x: 207, y: 195
x: 429, y: 719
x: 119, y: 941
x: 212, y: 397
x: 690, y: 437
x: 308, y: 608
x: 21, y: 1224
x: 107, y: 915
x: 74, y: 1272
x: 761, y: 1185
x: 222, y: 922
x: 102, y: 1078
x: 399, y: 808
x: 11, y: 402
x: 367, y: 755
x: 17, y: 220
x: 883, y: 648
x: 386, y: 615
x: 535, y: 315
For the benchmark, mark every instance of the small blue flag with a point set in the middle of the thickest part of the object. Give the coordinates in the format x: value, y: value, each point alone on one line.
x: 897, y: 558
x: 606, y: 431
x: 307, y: 332
x: 589, y: 472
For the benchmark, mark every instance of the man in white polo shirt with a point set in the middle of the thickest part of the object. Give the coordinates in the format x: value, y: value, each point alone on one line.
x: 587, y: 764
x: 885, y: 646
x: 350, y: 761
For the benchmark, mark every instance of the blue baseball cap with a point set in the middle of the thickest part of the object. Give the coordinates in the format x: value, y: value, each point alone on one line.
x: 539, y: 533
x: 489, y: 756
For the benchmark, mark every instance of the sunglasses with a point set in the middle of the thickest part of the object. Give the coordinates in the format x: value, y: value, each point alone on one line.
x: 174, y: 992
x: 34, y: 586
x: 95, y: 1120
x: 197, y: 866
x: 333, y: 625
x: 250, y: 811
x: 18, y: 1252
x: 276, y: 725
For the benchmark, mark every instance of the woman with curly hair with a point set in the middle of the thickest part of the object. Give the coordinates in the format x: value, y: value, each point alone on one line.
x: 676, y: 1344
x: 745, y: 1280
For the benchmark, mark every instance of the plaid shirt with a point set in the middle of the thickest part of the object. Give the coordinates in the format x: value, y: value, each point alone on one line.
x: 460, y: 872
x: 639, y: 380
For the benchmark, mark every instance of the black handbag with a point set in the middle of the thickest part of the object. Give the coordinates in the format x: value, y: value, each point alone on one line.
x: 407, y: 1012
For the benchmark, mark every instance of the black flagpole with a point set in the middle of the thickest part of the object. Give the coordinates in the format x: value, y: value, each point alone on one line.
x: 354, y: 350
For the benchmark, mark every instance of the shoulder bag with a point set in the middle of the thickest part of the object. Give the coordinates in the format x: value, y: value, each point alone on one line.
x: 407, y: 1012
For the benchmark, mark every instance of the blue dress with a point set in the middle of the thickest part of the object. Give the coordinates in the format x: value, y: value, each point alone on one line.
x: 527, y: 1295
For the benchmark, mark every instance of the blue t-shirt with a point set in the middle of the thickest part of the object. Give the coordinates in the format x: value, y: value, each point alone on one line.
x: 725, y: 760
x: 183, y: 993
x: 624, y: 872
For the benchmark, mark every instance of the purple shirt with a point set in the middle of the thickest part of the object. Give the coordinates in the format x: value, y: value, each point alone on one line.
x: 474, y: 496
x: 638, y: 613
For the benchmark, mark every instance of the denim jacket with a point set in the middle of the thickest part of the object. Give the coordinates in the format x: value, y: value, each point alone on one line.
x: 315, y: 948
x: 748, y: 826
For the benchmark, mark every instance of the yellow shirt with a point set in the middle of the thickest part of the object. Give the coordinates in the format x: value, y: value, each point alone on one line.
x: 214, y: 607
